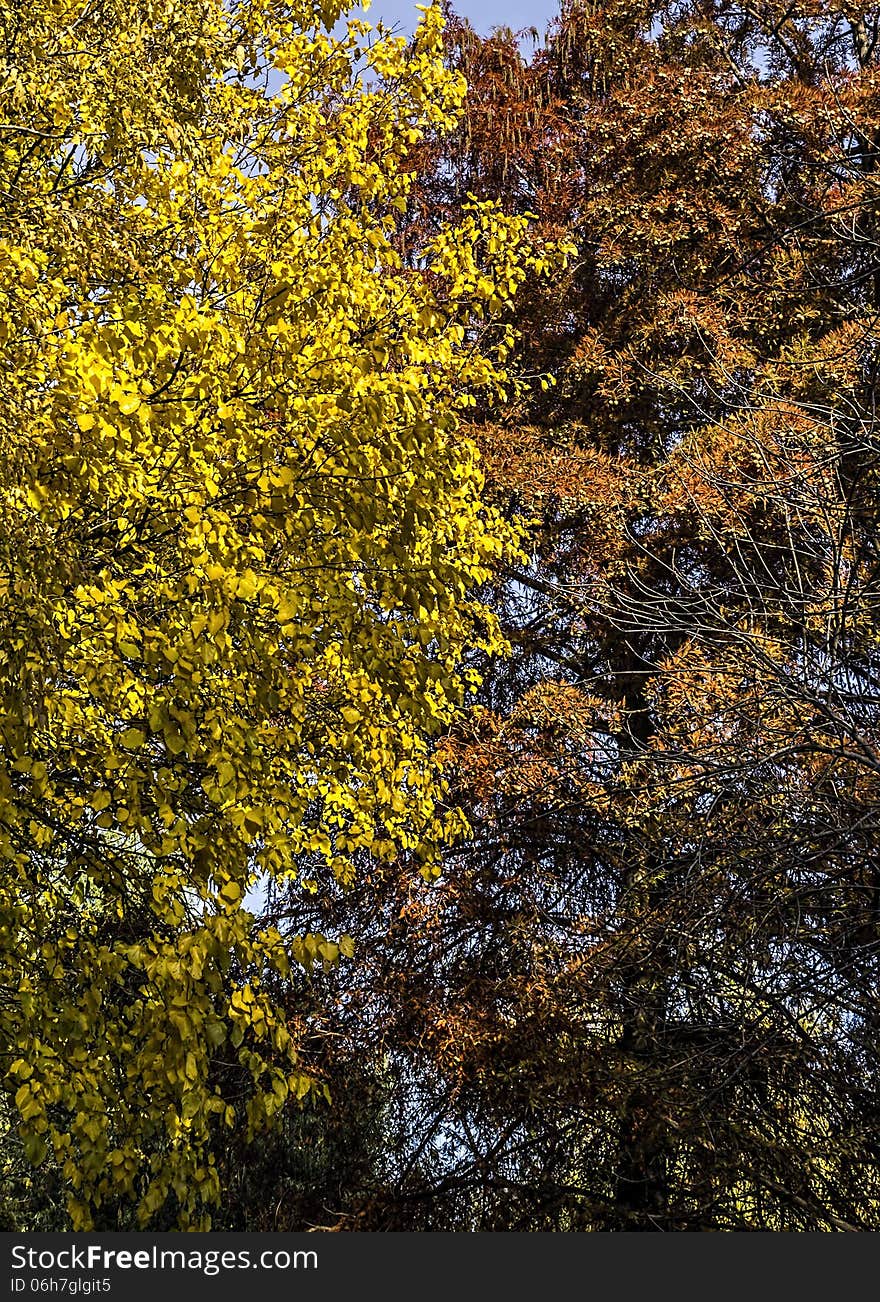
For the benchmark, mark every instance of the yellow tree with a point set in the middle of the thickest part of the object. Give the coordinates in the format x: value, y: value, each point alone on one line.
x: 239, y: 534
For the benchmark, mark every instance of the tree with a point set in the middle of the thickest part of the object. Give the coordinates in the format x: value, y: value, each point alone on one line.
x: 239, y: 537
x: 643, y: 996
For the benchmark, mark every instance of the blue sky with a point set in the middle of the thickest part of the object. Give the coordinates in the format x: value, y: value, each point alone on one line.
x: 483, y: 14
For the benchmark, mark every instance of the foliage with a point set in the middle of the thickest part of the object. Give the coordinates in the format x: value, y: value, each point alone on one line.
x: 644, y: 996
x: 238, y: 533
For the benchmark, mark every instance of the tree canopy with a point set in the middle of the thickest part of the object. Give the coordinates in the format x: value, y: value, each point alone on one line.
x: 302, y: 440
x: 240, y: 535
x: 643, y: 995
